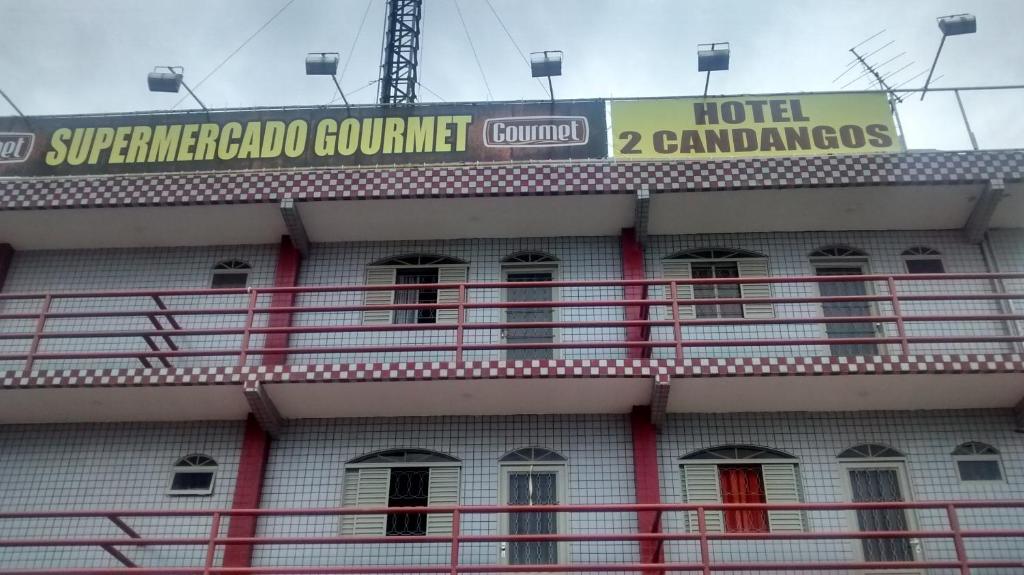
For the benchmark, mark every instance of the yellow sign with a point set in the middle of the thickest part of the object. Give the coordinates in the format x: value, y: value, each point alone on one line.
x: 777, y: 125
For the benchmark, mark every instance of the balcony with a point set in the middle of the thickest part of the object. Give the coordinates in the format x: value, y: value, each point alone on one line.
x: 889, y: 341
x: 958, y: 536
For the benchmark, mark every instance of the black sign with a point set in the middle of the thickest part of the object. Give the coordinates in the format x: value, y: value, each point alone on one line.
x: 302, y: 138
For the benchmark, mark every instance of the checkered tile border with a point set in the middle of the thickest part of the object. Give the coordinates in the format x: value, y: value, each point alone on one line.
x: 520, y: 179
x: 369, y: 372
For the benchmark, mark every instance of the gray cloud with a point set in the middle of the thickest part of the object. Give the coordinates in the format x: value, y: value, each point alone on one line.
x: 85, y: 56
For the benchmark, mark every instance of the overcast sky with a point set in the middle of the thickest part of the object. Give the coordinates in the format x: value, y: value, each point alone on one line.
x: 83, y: 56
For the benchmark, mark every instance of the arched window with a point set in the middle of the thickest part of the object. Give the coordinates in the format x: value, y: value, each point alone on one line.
x: 401, y: 478
x: 923, y: 260
x: 838, y: 252
x: 534, y: 454
x: 870, y: 450
x: 743, y: 474
x: 708, y: 263
x: 533, y: 476
x: 193, y: 475
x: 977, y: 461
x: 230, y: 274
x: 418, y: 269
x: 405, y: 456
x: 529, y: 258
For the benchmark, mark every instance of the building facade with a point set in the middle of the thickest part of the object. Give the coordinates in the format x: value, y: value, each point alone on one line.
x: 605, y: 335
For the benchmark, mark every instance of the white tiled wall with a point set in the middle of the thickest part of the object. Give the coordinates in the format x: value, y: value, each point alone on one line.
x: 580, y: 258
x: 307, y: 462
x: 128, y: 269
x: 788, y: 255
x: 127, y: 465
x: 926, y: 438
x: 108, y: 466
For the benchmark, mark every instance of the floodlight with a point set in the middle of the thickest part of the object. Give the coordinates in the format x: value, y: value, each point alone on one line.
x: 953, y: 25
x: 325, y: 64
x: 171, y: 81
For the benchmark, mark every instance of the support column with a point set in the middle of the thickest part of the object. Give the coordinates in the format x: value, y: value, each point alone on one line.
x: 648, y: 488
x: 252, y: 463
x: 286, y: 275
x: 6, y: 257
x: 633, y: 269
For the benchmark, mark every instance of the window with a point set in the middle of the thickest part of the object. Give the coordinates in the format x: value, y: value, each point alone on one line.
x: 533, y: 476
x: 838, y: 252
x: 413, y: 269
x: 230, y: 274
x: 870, y: 451
x: 976, y: 461
x: 923, y: 260
x: 411, y: 276
x: 743, y: 474
x: 720, y: 263
x: 401, y: 478
x: 193, y: 475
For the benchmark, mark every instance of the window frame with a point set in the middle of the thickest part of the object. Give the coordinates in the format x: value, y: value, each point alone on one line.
x: 989, y: 457
x: 180, y: 467
x: 415, y: 261
x: 441, y: 462
x: 778, y: 459
x: 561, y: 470
x: 718, y: 255
x: 231, y: 268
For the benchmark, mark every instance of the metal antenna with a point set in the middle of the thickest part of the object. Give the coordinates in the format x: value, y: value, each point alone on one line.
x: 894, y: 98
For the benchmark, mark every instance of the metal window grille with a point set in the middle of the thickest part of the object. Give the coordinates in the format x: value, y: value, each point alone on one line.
x: 409, y: 487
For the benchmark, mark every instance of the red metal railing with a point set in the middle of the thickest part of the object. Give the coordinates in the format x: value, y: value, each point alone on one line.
x: 462, y: 557
x: 960, y: 313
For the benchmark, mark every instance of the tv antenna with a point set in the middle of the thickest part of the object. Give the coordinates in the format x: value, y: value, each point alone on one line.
x: 873, y: 56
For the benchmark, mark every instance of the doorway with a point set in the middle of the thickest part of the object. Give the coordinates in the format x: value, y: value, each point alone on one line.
x: 847, y: 330
x: 515, y: 335
x: 877, y: 482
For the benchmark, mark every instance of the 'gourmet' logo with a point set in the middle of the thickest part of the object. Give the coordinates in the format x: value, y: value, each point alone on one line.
x: 536, y: 132
x: 15, y: 147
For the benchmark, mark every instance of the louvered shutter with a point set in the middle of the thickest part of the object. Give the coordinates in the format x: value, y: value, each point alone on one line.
x: 680, y: 270
x: 376, y: 276
x: 443, y: 491
x: 449, y: 275
x: 780, y: 486
x: 700, y: 483
x: 366, y: 487
x: 755, y: 268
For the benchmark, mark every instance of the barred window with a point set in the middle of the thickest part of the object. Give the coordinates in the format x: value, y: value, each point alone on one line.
x: 401, y: 478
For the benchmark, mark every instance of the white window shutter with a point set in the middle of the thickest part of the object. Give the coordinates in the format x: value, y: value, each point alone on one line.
x: 379, y: 276
x: 780, y: 486
x: 450, y: 275
x: 680, y: 270
x: 443, y: 491
x: 755, y: 268
x: 700, y: 485
x: 366, y: 487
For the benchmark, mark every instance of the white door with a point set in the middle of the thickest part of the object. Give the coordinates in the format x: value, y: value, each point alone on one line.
x: 533, y: 485
x: 882, y: 481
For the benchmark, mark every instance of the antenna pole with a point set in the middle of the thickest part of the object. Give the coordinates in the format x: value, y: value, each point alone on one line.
x: 974, y: 141
x: 932, y: 71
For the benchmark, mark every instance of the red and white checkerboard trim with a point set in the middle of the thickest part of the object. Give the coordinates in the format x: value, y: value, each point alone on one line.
x: 518, y: 179
x: 531, y: 369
